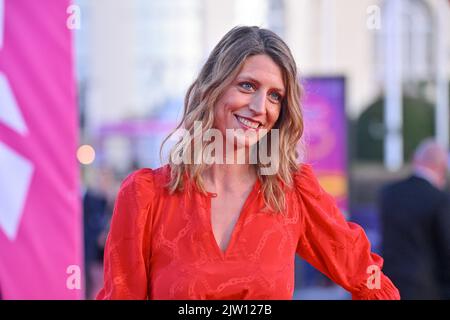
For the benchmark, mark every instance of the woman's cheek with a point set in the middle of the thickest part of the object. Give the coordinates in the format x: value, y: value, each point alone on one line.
x: 273, y: 117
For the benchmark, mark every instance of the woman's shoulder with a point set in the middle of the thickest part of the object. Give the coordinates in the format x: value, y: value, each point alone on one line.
x: 146, y: 180
x: 305, y: 180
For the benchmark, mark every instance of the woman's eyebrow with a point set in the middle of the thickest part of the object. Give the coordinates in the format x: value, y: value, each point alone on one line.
x: 252, y: 79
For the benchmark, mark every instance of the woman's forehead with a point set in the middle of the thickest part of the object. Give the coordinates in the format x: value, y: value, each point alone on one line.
x: 263, y: 69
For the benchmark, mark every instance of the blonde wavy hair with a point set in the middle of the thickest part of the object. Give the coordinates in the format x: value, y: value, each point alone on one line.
x: 220, y: 69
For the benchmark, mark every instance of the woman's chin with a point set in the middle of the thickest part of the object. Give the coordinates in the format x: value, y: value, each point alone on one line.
x: 245, y: 142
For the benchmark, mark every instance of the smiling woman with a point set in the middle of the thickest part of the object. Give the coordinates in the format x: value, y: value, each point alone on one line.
x: 193, y: 230
x: 250, y: 77
x: 253, y: 100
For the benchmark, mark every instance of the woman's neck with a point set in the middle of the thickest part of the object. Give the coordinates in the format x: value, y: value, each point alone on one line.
x: 229, y: 177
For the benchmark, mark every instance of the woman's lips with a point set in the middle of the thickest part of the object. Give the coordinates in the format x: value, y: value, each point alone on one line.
x: 247, y: 123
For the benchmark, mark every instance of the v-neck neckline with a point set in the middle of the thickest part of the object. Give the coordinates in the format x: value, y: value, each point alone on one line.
x: 223, y: 254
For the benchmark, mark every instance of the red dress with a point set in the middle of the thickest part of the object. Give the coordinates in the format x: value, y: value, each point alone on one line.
x: 161, y: 246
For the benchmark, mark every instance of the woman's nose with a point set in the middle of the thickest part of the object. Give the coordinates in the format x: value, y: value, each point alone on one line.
x: 258, y: 103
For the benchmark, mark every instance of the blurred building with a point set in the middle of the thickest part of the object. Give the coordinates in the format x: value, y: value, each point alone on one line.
x: 143, y: 54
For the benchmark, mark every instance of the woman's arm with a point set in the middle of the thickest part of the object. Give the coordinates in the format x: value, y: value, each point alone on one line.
x: 338, y: 248
x: 127, y: 250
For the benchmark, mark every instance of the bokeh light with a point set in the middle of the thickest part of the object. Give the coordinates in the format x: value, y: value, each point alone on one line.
x: 86, y: 154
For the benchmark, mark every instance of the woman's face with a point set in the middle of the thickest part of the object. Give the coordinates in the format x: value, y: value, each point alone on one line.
x: 252, y: 101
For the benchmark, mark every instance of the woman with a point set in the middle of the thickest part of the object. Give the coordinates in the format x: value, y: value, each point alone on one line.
x: 227, y: 229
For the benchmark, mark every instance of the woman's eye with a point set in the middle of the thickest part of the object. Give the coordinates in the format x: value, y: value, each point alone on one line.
x: 246, y: 85
x: 276, y: 96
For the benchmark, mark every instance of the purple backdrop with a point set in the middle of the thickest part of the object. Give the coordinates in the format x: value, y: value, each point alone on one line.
x: 326, y: 134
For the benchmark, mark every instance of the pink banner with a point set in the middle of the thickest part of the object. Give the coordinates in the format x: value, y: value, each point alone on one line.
x: 326, y: 134
x: 40, y: 213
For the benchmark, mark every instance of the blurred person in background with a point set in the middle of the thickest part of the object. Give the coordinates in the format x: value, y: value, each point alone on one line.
x: 415, y: 216
x: 231, y: 231
x: 97, y: 210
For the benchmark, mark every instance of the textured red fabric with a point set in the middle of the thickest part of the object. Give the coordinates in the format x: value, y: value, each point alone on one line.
x: 161, y: 246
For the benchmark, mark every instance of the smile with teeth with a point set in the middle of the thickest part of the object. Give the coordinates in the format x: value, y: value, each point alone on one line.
x: 248, y: 123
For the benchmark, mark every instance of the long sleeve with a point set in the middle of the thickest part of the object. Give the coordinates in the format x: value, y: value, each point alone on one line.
x: 127, y: 250
x: 338, y: 248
